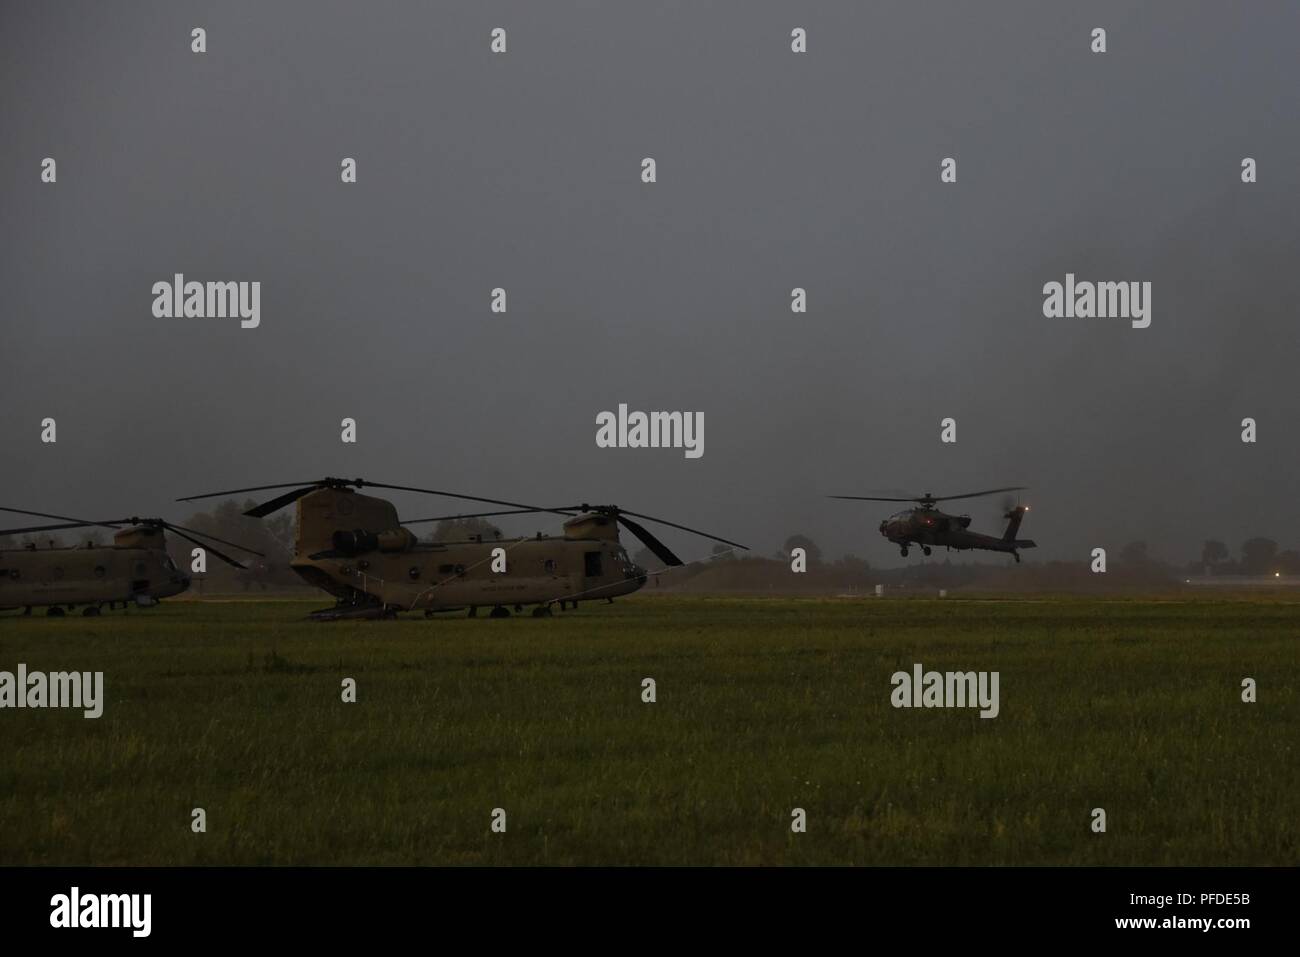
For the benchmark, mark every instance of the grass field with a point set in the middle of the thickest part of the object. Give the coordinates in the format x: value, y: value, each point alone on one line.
x: 763, y: 706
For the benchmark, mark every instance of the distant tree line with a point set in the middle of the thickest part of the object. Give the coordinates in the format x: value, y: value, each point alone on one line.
x: 274, y: 536
x: 1259, y: 556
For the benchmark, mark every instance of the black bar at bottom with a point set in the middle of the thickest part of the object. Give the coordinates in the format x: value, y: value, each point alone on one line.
x: 335, y: 905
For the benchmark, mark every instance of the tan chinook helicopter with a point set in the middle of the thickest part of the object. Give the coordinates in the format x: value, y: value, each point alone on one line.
x: 355, y: 547
x: 134, y: 569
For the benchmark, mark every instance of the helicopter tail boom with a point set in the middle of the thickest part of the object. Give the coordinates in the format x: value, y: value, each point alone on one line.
x: 1014, y: 518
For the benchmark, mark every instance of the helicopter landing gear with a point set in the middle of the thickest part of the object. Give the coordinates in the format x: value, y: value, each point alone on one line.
x: 542, y: 611
x: 90, y: 611
x: 500, y: 611
x: 473, y: 611
x: 27, y: 611
x: 1016, y: 556
x: 925, y: 550
x: 54, y: 612
x: 903, y: 551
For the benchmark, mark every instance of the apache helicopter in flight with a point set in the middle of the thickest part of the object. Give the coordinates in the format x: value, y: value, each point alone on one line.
x: 355, y: 547
x: 925, y: 525
x: 135, y: 568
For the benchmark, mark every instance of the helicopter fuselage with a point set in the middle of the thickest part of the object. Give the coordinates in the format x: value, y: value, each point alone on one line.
x: 931, y: 528
x: 444, y: 576
x: 136, y: 568
x: 353, y: 547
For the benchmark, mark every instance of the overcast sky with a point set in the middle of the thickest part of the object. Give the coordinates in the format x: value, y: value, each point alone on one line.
x: 775, y: 170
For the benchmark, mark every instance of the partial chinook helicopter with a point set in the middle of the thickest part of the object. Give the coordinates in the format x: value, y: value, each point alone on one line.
x: 355, y: 547
x: 134, y: 569
x: 925, y: 525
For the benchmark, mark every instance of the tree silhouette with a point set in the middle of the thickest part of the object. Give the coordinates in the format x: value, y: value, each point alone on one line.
x: 1134, y: 553
x: 810, y: 548
x: 1214, y: 552
x: 462, y: 529
x: 1258, y: 556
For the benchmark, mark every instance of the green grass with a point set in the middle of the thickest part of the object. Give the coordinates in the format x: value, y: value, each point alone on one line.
x: 763, y: 706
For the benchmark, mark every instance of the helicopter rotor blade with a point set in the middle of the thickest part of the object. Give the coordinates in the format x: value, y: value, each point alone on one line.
x: 303, y: 488
x: 445, y: 518
x: 208, y: 548
x: 467, y: 498
x: 874, y: 498
x: 928, y: 497
x: 685, y: 528
x: 515, y: 508
x: 178, y: 529
x: 661, y: 551
x: 53, y: 528
x: 61, y: 518
x: 991, y: 491
x: 279, y: 502
x: 240, y: 491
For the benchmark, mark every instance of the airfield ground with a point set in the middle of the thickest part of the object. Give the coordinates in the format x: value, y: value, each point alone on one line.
x: 763, y: 705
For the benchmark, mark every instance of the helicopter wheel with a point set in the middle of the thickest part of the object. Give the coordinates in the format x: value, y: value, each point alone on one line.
x: 54, y: 612
x: 542, y: 611
x: 1016, y: 556
x: 903, y: 551
x: 500, y: 611
x: 925, y: 549
x: 90, y: 611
